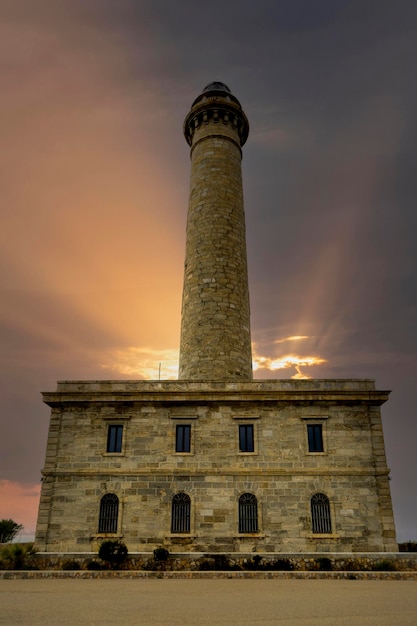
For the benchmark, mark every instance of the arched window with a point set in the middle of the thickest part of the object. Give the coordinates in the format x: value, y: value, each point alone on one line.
x: 109, y: 511
x: 320, y: 514
x: 181, y: 509
x: 248, y: 513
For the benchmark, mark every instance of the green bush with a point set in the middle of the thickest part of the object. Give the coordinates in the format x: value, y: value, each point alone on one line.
x: 15, y: 556
x: 113, y: 552
x: 160, y: 554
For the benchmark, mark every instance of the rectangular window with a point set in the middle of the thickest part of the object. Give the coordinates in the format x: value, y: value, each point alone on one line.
x: 114, y: 438
x: 183, y: 438
x: 246, y: 441
x: 315, y: 437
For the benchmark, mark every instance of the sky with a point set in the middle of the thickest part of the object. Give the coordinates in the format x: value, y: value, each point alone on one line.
x: 94, y: 174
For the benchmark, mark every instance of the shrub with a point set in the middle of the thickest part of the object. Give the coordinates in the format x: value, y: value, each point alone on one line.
x: 70, y: 565
x: 14, y: 556
x: 160, y: 554
x: 113, y: 552
x: 254, y: 564
x: 408, y: 546
x: 383, y: 566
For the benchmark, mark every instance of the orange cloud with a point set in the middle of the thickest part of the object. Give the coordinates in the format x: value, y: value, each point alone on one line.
x: 292, y: 338
x: 147, y: 363
x: 286, y: 362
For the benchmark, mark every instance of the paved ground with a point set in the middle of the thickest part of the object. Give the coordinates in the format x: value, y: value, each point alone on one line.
x: 209, y: 602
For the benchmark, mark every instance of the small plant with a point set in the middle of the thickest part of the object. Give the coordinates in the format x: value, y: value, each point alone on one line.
x: 14, y: 556
x: 160, y: 554
x: 113, y: 552
x: 408, y: 546
x: 71, y: 565
x: 383, y: 566
x: 254, y: 564
x: 324, y: 564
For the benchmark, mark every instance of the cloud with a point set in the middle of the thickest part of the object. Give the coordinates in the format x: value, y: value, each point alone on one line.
x: 147, y: 363
x: 291, y: 338
x: 20, y: 503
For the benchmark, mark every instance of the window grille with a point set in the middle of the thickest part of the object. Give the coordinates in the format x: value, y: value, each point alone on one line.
x: 114, y: 438
x: 320, y: 514
x: 248, y: 513
x: 183, y: 438
x: 246, y: 442
x: 181, y: 509
x: 315, y: 437
x: 109, y: 511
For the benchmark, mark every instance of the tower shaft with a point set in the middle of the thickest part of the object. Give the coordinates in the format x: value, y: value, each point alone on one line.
x: 215, y: 323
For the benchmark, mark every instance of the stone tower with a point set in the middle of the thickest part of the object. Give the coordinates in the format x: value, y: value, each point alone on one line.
x: 215, y: 327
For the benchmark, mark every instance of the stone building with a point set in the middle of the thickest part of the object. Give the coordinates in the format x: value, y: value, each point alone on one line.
x: 216, y: 461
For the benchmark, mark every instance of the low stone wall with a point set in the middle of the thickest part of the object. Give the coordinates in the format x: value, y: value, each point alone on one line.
x: 84, y: 574
x: 237, y: 562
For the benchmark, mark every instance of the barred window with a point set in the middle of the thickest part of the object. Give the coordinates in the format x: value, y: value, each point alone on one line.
x: 114, y: 438
x: 248, y: 513
x: 109, y: 511
x: 320, y: 514
x: 183, y: 438
x: 315, y: 437
x: 181, y: 510
x: 246, y: 441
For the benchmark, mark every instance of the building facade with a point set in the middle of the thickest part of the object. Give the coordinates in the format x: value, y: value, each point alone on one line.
x: 216, y: 461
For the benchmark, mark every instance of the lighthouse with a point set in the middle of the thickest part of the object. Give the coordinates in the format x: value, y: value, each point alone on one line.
x: 215, y: 322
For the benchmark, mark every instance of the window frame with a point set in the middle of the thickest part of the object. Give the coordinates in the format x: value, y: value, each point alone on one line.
x: 115, y: 420
x: 180, y: 522
x: 313, y: 420
x: 114, y: 519
x: 184, y: 440
x: 321, y: 524
x: 246, y: 420
x: 242, y: 520
x: 110, y: 427
x: 315, y: 439
x: 245, y: 428
x: 182, y: 420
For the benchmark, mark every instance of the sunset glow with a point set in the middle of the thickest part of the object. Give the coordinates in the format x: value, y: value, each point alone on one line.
x: 287, y: 362
x: 146, y: 363
x: 291, y: 338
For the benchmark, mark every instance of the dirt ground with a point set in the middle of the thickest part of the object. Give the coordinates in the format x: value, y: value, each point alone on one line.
x: 151, y: 602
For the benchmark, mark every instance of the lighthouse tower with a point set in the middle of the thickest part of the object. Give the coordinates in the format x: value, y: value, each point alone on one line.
x: 215, y: 324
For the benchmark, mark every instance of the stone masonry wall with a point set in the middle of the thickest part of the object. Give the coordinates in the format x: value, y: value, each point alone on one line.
x: 281, y: 472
